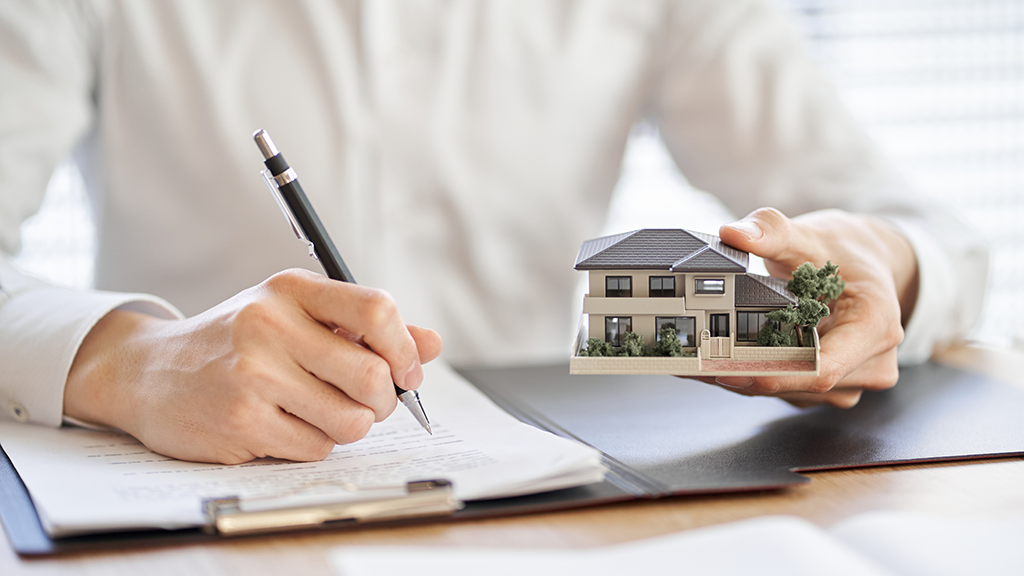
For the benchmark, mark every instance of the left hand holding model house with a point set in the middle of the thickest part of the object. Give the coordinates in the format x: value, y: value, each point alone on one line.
x: 859, y: 337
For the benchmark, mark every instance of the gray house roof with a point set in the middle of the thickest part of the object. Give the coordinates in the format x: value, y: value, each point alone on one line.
x: 683, y: 251
x: 755, y: 290
x: 654, y: 249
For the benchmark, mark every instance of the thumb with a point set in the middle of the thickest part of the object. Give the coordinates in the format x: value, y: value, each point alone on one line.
x: 768, y: 233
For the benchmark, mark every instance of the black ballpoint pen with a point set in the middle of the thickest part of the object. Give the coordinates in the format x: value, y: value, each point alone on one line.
x: 284, y: 184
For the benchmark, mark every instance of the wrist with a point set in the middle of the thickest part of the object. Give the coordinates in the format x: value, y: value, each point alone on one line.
x: 100, y: 385
x: 902, y: 259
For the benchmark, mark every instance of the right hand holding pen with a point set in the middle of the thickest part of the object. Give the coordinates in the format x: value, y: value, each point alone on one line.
x: 284, y: 369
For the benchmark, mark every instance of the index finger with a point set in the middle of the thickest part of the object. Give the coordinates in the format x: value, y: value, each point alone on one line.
x: 367, y: 313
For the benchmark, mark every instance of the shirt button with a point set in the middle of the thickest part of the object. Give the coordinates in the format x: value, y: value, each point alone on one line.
x: 18, y: 412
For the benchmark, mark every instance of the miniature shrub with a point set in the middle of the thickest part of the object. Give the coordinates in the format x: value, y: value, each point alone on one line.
x: 771, y: 336
x: 668, y: 344
x: 597, y: 347
x: 632, y: 345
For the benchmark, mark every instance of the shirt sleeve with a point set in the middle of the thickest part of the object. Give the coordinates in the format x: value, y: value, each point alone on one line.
x: 46, y: 109
x: 41, y: 329
x: 748, y: 116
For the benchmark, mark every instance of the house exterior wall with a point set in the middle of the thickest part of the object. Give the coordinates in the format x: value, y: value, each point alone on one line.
x: 644, y: 310
x: 634, y: 306
x: 641, y: 281
x: 724, y: 302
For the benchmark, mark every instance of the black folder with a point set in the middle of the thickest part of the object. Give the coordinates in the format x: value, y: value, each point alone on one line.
x: 664, y: 436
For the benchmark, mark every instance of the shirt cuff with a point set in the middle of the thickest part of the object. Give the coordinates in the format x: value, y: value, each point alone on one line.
x: 41, y: 330
x: 931, y: 320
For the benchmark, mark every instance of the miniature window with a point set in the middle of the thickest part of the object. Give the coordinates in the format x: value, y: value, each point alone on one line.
x: 683, y: 325
x: 749, y: 325
x: 709, y: 286
x: 616, y: 327
x: 618, y: 286
x: 663, y: 286
x: 719, y: 326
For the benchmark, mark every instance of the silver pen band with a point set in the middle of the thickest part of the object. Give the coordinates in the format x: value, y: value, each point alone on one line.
x: 286, y: 177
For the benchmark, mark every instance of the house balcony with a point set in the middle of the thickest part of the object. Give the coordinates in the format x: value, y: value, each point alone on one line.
x: 634, y: 306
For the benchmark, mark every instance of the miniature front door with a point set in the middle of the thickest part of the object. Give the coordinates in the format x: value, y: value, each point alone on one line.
x: 720, y: 344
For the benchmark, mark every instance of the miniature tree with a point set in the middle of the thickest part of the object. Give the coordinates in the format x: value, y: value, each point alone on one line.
x: 806, y: 314
x: 814, y: 289
x: 632, y: 345
x: 823, y: 285
x: 668, y: 343
x: 597, y: 347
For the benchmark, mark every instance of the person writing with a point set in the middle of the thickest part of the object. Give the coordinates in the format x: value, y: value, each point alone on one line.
x: 458, y: 152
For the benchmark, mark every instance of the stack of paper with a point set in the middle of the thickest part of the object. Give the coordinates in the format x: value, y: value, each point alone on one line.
x: 85, y: 481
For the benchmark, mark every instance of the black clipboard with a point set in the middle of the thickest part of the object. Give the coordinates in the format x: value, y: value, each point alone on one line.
x: 663, y: 436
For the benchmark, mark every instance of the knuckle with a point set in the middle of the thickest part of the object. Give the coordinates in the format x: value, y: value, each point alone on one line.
x: 356, y: 426
x: 245, y: 371
x: 320, y: 448
x: 887, y: 379
x: 770, y: 215
x: 255, y: 316
x: 286, y: 281
x: 892, y: 337
x: 378, y: 308
x: 774, y: 219
x: 846, y: 401
x: 370, y: 384
x: 390, y: 403
x: 373, y: 372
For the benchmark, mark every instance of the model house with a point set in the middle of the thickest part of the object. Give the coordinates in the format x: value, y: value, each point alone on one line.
x: 647, y: 280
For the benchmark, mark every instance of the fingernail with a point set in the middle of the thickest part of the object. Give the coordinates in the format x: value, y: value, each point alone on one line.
x: 414, y: 377
x: 748, y: 228
x: 739, y: 382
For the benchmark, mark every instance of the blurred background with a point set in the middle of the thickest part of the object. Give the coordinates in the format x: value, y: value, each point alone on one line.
x: 938, y: 83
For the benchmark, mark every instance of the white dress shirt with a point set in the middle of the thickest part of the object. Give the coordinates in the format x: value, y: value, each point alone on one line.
x: 458, y: 151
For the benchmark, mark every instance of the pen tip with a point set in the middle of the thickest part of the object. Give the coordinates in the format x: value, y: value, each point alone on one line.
x: 429, y: 431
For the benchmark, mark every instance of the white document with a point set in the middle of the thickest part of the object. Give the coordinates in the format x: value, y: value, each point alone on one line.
x: 773, y: 545
x: 87, y: 481
x: 874, y: 544
x: 920, y: 545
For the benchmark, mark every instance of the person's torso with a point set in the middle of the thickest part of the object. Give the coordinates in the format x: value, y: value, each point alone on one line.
x: 458, y: 152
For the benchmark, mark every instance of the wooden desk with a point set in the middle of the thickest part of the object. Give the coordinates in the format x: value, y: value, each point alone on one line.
x: 979, y: 489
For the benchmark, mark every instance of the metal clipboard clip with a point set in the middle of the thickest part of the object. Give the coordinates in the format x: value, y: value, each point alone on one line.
x: 275, y: 191
x: 235, y: 516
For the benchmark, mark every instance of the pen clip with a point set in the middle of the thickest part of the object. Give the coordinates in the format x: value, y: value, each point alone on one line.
x: 275, y: 191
